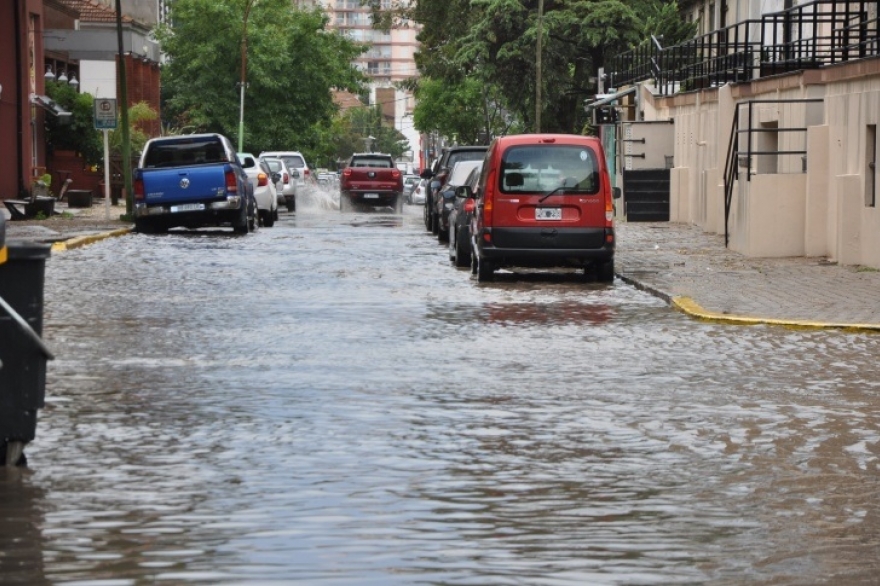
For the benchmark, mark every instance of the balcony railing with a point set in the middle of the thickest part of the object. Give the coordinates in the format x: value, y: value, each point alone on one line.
x: 806, y: 36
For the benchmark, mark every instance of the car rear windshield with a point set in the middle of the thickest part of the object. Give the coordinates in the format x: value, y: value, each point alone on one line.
x: 293, y: 162
x: 372, y: 162
x: 458, y: 156
x: 183, y: 152
x: 543, y: 168
x: 274, y: 165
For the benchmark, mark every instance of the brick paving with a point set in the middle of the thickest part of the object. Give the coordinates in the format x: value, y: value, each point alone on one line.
x: 678, y: 261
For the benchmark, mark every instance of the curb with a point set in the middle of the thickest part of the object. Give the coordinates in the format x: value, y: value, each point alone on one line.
x: 80, y: 241
x: 690, y: 307
x: 693, y: 309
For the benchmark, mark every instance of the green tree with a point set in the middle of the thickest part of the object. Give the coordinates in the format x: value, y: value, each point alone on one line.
x: 465, y: 108
x: 78, y: 133
x: 498, y: 48
x: 137, y: 113
x: 293, y: 63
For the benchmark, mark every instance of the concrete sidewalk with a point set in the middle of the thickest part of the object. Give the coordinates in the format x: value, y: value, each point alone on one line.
x: 693, y: 271
x: 70, y: 227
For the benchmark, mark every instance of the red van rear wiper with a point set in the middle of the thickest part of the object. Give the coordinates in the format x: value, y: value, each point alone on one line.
x: 559, y: 189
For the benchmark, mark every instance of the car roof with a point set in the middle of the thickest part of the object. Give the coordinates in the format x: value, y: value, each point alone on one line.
x: 532, y: 139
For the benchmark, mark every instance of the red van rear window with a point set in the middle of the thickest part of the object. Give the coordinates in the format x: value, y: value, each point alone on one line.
x: 544, y: 168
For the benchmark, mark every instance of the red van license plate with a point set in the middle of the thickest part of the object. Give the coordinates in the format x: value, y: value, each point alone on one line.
x: 548, y: 213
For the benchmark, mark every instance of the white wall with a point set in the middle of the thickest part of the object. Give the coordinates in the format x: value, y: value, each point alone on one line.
x: 98, y: 78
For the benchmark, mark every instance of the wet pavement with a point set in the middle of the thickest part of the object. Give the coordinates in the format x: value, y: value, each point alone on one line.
x: 329, y: 402
x: 680, y: 263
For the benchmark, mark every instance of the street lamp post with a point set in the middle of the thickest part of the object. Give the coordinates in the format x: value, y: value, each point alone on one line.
x: 243, y: 83
x: 538, y: 66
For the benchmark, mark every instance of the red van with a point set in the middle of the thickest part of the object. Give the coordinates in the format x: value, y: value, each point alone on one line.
x: 544, y: 200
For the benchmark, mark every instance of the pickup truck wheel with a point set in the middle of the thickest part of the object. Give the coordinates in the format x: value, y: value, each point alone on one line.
x: 242, y: 223
x: 144, y: 226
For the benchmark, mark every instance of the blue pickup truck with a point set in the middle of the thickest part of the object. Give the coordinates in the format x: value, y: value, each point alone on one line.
x: 192, y: 181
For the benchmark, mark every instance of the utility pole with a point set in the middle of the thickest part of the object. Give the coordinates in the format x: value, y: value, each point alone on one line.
x: 123, y: 114
x: 538, y: 66
x: 243, y: 83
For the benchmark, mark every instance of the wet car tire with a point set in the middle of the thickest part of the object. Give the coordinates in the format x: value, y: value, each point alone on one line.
x: 605, y: 272
x: 269, y: 219
x: 462, y: 254
x: 143, y: 226
x: 485, y: 270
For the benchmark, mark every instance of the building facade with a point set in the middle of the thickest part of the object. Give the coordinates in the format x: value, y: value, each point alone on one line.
x: 774, y: 129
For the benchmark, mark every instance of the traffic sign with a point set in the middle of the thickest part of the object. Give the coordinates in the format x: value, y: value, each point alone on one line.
x: 105, y: 113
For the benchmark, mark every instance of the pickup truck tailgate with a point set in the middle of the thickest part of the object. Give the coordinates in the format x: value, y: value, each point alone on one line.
x: 372, y: 179
x: 185, y: 183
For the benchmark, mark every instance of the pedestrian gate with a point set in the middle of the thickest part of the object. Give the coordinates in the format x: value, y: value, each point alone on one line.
x: 647, y: 151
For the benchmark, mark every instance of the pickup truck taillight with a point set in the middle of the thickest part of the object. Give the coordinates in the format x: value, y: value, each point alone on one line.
x: 395, y: 173
x: 262, y: 180
x: 231, y: 181
x: 138, y: 188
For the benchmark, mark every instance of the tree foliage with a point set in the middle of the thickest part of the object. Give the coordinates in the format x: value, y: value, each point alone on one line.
x: 349, y: 132
x: 466, y: 110
x: 497, y: 49
x: 293, y: 63
x: 78, y: 133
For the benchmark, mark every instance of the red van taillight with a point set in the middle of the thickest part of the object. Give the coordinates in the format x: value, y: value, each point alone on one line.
x: 488, y: 204
x: 262, y: 180
x: 609, y: 203
x: 231, y: 181
x: 138, y: 188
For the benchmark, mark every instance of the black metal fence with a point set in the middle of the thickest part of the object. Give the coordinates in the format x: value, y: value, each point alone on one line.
x: 806, y: 36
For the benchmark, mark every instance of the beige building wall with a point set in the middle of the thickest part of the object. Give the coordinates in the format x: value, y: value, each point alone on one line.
x: 829, y: 209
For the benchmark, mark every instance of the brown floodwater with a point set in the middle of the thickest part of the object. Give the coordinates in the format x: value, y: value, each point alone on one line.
x: 329, y: 402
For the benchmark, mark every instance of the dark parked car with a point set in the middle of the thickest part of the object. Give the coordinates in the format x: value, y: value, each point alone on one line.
x: 438, y: 173
x: 444, y: 198
x: 460, y: 219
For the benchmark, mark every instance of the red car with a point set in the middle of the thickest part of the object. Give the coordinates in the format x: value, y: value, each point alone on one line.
x: 544, y: 201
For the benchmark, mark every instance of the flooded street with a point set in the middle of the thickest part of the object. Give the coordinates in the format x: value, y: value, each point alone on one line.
x: 329, y: 402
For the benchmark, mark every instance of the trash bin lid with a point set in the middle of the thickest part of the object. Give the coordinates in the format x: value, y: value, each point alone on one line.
x: 27, y: 250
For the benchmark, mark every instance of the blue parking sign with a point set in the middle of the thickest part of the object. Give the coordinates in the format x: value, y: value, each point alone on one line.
x: 105, y: 113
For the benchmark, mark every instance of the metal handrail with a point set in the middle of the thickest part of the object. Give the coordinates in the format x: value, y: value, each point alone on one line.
x: 810, y: 35
x: 734, y: 152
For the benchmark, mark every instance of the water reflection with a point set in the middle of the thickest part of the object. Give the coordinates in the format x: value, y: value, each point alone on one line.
x: 323, y: 402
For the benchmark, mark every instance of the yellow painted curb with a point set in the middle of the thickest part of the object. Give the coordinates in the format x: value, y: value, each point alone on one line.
x: 692, y: 308
x: 81, y: 241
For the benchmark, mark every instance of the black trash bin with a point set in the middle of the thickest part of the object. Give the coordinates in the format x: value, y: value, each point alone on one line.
x: 23, y: 354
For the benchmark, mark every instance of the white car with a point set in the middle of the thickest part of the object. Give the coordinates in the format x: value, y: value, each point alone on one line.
x: 285, y: 186
x: 260, y: 178
x: 296, y: 163
x: 417, y: 197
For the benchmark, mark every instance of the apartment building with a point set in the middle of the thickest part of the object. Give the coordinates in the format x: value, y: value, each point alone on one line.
x: 768, y: 125
x: 388, y: 60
